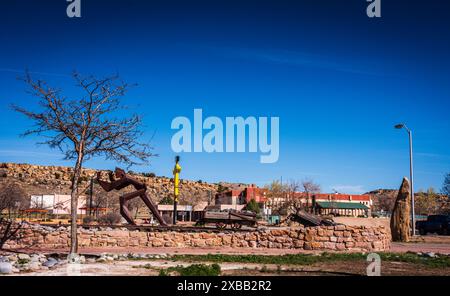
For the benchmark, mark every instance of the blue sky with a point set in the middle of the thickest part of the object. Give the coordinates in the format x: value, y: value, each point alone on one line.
x: 337, y: 80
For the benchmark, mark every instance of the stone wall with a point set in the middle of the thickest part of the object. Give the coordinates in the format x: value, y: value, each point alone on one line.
x: 326, y: 238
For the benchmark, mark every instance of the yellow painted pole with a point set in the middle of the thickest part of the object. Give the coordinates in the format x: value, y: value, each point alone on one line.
x: 176, y: 190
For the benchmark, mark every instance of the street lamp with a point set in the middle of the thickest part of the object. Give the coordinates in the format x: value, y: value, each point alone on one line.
x: 413, y: 217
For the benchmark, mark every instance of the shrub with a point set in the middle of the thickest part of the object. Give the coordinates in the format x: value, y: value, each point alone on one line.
x: 200, y: 270
x: 110, y: 218
x: 150, y: 175
x: 88, y: 220
x: 167, y: 200
x: 253, y: 206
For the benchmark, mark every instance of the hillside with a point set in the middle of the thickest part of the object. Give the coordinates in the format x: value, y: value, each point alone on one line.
x: 34, y: 179
x: 426, y: 203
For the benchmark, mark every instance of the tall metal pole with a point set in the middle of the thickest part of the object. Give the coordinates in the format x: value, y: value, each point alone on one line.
x: 411, y: 176
x: 91, y: 192
x: 413, y: 215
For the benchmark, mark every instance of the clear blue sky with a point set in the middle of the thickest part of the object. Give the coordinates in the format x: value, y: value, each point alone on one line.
x: 338, y: 80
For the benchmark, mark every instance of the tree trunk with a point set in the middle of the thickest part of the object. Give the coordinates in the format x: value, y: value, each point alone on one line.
x: 74, y: 206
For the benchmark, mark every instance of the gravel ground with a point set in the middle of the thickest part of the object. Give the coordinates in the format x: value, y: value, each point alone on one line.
x: 151, y: 268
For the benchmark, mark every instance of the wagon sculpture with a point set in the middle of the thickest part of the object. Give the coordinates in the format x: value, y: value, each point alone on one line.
x: 230, y: 217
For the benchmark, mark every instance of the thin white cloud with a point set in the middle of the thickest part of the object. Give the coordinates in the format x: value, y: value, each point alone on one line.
x: 32, y: 72
x: 433, y: 155
x: 355, y: 189
x: 16, y: 153
x: 296, y: 58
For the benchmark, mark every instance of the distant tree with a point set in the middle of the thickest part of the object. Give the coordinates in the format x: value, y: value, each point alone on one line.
x: 85, y: 127
x: 384, y: 200
x: 428, y: 203
x: 291, y: 203
x: 309, y: 187
x: 221, y: 188
x: 8, y: 230
x: 253, y: 206
x: 149, y: 175
x: 276, y: 195
x: 166, y: 200
x: 100, y: 198
x: 12, y: 197
x: 446, y: 185
x: 135, y: 205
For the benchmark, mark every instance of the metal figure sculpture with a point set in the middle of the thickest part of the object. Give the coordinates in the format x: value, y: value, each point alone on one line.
x: 120, y: 180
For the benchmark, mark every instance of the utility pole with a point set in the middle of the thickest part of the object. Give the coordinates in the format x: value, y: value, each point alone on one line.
x: 91, y: 192
x: 176, y: 191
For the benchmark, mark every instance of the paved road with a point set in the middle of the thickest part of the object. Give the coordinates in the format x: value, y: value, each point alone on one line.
x: 421, y: 247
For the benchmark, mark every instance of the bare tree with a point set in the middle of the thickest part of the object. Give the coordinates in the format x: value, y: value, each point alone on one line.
x: 276, y: 195
x: 446, y: 185
x: 12, y: 197
x: 383, y: 200
x: 430, y: 203
x: 309, y: 187
x: 293, y: 201
x: 8, y: 230
x: 86, y: 127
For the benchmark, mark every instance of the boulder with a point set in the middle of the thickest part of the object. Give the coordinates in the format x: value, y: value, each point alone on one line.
x: 6, y: 268
x: 50, y: 262
x: 23, y: 257
x: 401, y: 214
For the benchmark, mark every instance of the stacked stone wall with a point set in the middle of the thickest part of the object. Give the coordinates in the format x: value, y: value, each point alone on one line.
x: 325, y: 238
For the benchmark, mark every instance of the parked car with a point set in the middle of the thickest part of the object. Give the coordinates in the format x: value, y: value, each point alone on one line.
x: 434, y: 224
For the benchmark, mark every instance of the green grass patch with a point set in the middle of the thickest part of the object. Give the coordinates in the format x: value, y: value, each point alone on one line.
x: 193, y: 270
x: 440, y: 262
x: 23, y: 261
x: 308, y: 259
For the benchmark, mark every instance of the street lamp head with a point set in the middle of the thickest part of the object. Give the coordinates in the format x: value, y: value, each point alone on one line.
x: 399, y: 126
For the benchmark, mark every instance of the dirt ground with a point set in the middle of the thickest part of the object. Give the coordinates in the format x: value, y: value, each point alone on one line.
x: 424, y: 244
x: 152, y: 268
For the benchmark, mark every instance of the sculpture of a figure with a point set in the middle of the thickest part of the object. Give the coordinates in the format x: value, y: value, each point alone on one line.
x: 120, y: 180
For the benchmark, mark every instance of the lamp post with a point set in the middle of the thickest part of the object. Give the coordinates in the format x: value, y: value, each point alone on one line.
x: 413, y: 216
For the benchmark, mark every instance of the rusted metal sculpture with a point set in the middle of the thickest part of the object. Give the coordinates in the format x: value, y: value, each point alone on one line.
x: 120, y: 180
x: 230, y: 217
x: 309, y: 219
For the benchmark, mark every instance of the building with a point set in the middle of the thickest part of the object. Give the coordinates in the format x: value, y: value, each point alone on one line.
x: 238, y: 197
x: 184, y: 212
x: 342, y: 204
x: 56, y: 204
x: 326, y: 203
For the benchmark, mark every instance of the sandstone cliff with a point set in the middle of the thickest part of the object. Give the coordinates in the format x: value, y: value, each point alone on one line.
x: 36, y: 179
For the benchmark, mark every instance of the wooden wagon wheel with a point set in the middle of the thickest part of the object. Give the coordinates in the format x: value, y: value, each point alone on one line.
x: 221, y: 225
x: 236, y: 225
